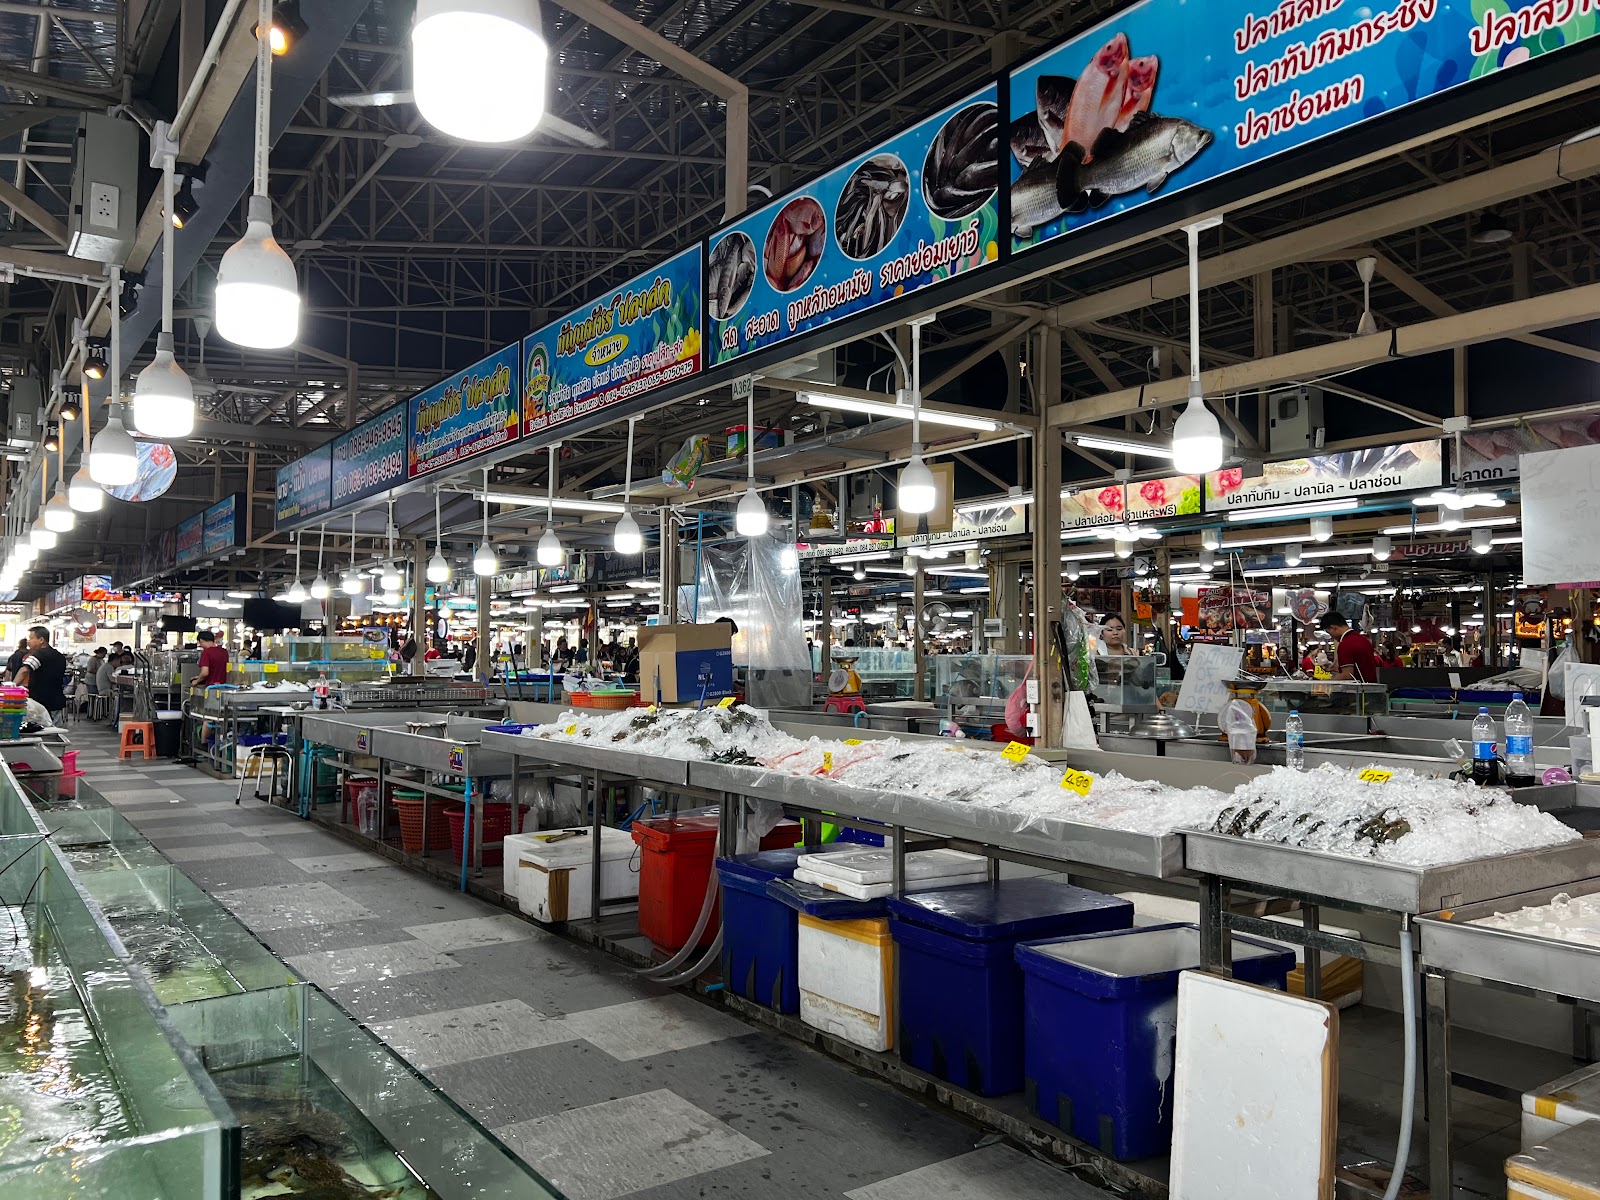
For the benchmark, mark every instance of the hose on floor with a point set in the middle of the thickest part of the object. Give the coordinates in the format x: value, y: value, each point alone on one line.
x: 657, y: 970
x: 713, y: 951
x: 1408, y: 1101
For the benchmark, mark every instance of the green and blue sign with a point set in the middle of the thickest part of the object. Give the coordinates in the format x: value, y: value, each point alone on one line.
x: 920, y: 208
x: 221, y: 526
x: 1169, y: 94
x: 631, y: 340
x: 371, y: 458
x: 305, y: 487
x: 470, y: 413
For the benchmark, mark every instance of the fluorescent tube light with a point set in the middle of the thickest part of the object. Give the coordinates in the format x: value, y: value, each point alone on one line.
x: 898, y: 412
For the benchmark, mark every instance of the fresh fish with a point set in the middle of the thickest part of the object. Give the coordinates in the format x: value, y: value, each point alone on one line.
x: 1097, y: 97
x: 1152, y: 149
x: 1033, y: 198
x: 795, y: 243
x: 732, y: 275
x: 1052, y: 97
x: 1141, y: 89
x: 1029, y: 141
x: 962, y: 169
x: 871, y: 206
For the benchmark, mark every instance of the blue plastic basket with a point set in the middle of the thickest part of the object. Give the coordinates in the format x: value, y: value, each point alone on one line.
x: 960, y: 985
x: 1100, y: 1028
x: 760, y: 942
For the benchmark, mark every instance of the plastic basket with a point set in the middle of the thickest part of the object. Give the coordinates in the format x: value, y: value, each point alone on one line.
x: 10, y: 725
x: 410, y: 807
x: 497, y: 822
x: 604, y: 699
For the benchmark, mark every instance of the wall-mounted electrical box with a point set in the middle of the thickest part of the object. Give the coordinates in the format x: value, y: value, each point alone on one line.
x: 1294, y: 419
x: 105, y: 189
x: 23, y: 410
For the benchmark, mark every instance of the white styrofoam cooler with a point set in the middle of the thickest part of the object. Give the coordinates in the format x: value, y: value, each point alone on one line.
x: 845, y: 970
x: 1560, y: 1104
x: 552, y: 880
x: 868, y: 873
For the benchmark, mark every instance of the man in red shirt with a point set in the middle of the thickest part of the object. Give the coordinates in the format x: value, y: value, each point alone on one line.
x: 1356, y: 658
x: 213, y: 661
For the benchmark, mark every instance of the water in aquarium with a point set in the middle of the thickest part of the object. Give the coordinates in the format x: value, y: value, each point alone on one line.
x: 301, y: 1137
x: 56, y: 1094
x: 176, y: 963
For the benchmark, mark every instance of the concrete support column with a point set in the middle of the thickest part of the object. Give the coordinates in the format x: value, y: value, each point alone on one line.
x: 420, y: 624
x: 1048, y: 670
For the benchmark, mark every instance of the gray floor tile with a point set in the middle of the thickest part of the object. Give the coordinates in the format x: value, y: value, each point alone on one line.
x: 557, y: 976
x: 483, y: 1030
x: 520, y: 1086
x: 472, y: 932
x: 293, y: 904
x: 309, y: 939
x: 623, y: 1146
x: 164, y: 833
x: 360, y: 964
x: 226, y: 875
x: 645, y: 1028
x: 230, y: 850
x: 325, y: 863
x: 994, y: 1173
x: 437, y: 991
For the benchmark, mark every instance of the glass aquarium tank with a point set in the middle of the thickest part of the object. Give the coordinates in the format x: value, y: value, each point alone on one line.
x: 1341, y: 696
x: 300, y: 658
x: 980, y: 682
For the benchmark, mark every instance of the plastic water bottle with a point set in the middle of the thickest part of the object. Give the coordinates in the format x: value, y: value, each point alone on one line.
x: 320, y: 691
x: 1519, y: 743
x: 1294, y: 741
x: 1483, y: 764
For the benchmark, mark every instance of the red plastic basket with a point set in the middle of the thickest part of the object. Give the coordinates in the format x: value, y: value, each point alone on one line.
x: 411, y: 823
x: 496, y: 820
x: 1000, y: 733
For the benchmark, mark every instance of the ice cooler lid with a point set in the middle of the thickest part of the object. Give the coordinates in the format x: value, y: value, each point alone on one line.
x: 1011, y: 908
x: 819, y: 902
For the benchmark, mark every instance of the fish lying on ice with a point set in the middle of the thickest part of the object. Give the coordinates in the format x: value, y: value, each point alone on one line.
x: 1142, y: 158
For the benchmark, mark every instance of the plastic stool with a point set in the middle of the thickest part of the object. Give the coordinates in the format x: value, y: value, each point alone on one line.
x: 137, y: 736
x: 260, y: 755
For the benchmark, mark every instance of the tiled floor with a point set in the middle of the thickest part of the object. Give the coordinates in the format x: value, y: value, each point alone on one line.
x: 608, y: 1084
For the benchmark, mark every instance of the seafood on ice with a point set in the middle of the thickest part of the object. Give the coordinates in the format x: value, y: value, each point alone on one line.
x: 872, y: 206
x: 1412, y: 820
x: 962, y: 170
x: 795, y: 243
x: 732, y: 275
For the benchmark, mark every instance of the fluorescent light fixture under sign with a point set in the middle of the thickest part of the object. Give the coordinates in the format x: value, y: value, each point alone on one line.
x: 1093, y: 441
x: 898, y: 412
x: 1291, y: 511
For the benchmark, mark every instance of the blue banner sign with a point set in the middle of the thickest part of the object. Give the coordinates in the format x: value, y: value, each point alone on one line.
x: 190, y: 543
x: 370, y: 458
x: 921, y: 208
x: 633, y: 339
x: 305, y: 487
x: 470, y: 413
x: 221, y: 524
x: 1169, y: 94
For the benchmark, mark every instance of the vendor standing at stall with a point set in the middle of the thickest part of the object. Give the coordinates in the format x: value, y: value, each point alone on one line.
x: 44, y: 672
x: 213, y: 661
x: 1354, y: 656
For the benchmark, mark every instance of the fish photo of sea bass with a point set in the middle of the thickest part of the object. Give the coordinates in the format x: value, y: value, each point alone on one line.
x: 1142, y: 158
x: 1033, y: 198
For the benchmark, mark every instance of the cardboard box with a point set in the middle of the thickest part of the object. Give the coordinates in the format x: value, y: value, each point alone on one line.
x: 687, y: 657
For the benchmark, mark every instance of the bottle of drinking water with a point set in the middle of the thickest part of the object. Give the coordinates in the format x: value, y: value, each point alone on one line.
x: 1519, y: 743
x: 1294, y: 741
x: 1483, y: 764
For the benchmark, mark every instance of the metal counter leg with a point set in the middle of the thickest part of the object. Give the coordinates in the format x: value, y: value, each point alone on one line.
x: 1436, y: 1011
x: 477, y: 826
x: 899, y: 834
x: 1310, y: 918
x: 1216, y: 947
x: 586, y: 782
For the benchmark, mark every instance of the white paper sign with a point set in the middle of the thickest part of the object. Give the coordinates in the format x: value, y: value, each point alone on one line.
x: 1205, y: 680
x: 1455, y: 680
x: 1560, y: 511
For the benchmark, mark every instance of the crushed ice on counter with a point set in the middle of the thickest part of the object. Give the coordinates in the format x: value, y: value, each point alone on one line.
x: 1568, y: 918
x: 1413, y: 819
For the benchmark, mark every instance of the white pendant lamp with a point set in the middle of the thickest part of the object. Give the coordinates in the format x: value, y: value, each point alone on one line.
x: 83, y: 493
x: 1321, y: 528
x: 295, y: 593
x: 389, y: 577
x: 1208, y: 560
x: 501, y: 96
x: 350, y: 584
x: 550, y: 552
x: 627, y: 537
x: 916, y: 492
x: 484, y: 561
x: 258, y: 298
x: 42, y: 536
x: 58, y: 514
x: 1481, y: 541
x: 163, y: 397
x: 1197, y: 437
x: 750, y: 518
x: 1382, y: 547
x: 1293, y: 554
x: 113, y: 456
x: 438, y: 569
x: 1072, y: 570
x: 319, y: 585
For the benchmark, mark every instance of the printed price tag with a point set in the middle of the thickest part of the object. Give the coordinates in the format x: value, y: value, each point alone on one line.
x: 827, y: 761
x: 1373, y: 775
x: 269, y: 668
x: 852, y: 741
x: 725, y: 702
x: 1077, y: 781
x: 1015, y: 752
x: 572, y: 730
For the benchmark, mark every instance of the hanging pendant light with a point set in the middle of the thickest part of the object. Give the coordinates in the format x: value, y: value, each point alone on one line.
x: 750, y: 518
x: 42, y: 536
x: 505, y: 97
x: 83, y: 493
x: 258, y: 298
x: 350, y: 584
x: 58, y: 514
x: 484, y: 561
x: 319, y: 585
x: 113, y: 456
x: 295, y: 593
x: 389, y: 577
x: 1197, y: 436
x: 1321, y: 528
x: 163, y: 397
x: 550, y: 552
x: 438, y: 569
x: 917, y: 492
x: 627, y: 538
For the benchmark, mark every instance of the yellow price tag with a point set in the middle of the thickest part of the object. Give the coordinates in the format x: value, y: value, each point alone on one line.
x: 852, y: 741
x: 1373, y: 775
x: 1077, y: 781
x: 572, y: 730
x: 269, y: 668
x: 827, y: 760
x: 725, y: 702
x: 1015, y: 752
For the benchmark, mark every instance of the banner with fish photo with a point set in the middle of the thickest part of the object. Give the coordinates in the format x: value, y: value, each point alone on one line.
x: 1169, y: 94
x: 1404, y: 468
x: 1175, y: 496
x: 631, y: 340
x: 1490, y: 455
x: 919, y: 208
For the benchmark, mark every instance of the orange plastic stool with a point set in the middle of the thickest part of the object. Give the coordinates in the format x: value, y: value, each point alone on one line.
x: 137, y: 736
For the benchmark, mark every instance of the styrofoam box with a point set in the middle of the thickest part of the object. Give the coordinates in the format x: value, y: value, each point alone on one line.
x: 1560, y: 1104
x: 872, y: 891
x: 870, y: 866
x: 1526, y: 1191
x: 846, y: 975
x: 552, y: 880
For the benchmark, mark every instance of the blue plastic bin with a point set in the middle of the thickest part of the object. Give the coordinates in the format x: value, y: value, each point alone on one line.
x: 1100, y: 1028
x: 960, y: 986
x: 759, y: 941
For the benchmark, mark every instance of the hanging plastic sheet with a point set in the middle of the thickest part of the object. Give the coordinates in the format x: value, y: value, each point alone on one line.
x: 755, y: 583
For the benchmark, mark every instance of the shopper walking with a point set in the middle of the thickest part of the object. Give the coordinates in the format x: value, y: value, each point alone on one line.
x: 44, y: 673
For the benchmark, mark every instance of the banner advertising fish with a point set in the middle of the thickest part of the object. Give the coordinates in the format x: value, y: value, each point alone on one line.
x: 1489, y: 456
x: 631, y: 340
x: 470, y: 413
x: 371, y: 458
x: 920, y: 208
x: 1175, y: 496
x: 221, y: 525
x: 190, y: 544
x: 1404, y: 468
x: 1167, y: 94
x: 305, y: 487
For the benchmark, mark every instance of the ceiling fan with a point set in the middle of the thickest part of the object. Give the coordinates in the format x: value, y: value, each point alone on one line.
x: 549, y: 124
